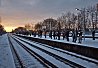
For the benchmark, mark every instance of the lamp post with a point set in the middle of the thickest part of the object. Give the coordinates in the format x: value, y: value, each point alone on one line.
x: 92, y: 20
x: 83, y: 12
x: 96, y: 17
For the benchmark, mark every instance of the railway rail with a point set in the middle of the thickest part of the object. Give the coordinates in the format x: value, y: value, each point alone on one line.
x: 21, y: 58
x: 41, y: 46
x: 35, y: 48
x: 44, y: 61
x: 17, y: 60
x: 91, y: 52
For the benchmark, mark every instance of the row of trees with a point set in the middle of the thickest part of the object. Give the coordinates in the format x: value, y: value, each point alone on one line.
x: 85, y: 19
x: 2, y: 30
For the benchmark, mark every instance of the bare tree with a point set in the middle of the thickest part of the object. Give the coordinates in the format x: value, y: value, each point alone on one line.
x: 38, y: 26
x: 49, y: 23
x: 2, y: 30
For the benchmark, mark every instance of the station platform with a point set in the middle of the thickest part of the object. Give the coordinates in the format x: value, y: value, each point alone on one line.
x: 87, y: 41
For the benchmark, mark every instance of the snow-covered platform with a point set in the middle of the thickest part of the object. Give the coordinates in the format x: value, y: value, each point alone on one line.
x: 89, y: 42
x: 6, y: 58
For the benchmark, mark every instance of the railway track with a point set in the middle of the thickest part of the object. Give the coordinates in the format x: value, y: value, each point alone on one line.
x: 23, y: 59
x: 54, y: 57
x: 64, y: 51
x: 57, y: 57
x: 17, y: 60
x: 90, y: 62
x: 38, y: 57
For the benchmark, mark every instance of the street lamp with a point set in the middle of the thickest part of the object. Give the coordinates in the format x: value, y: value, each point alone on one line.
x: 83, y: 12
x: 96, y: 17
x: 77, y: 9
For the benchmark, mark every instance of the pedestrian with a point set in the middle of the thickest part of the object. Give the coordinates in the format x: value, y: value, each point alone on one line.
x: 34, y: 33
x: 41, y: 33
x: 76, y: 32
x: 50, y: 34
x: 67, y: 35
x: 74, y: 35
x: 93, y: 34
x: 80, y: 36
x: 59, y: 34
x: 63, y: 35
x: 38, y: 33
x: 45, y: 33
x: 54, y: 34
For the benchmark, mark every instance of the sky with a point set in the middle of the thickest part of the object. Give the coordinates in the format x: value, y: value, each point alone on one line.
x: 15, y: 13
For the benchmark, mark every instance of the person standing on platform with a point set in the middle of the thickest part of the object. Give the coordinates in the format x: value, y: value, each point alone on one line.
x: 63, y: 35
x: 74, y: 35
x: 50, y: 34
x: 54, y: 34
x: 45, y: 34
x: 67, y: 35
x: 59, y: 34
x: 80, y: 36
x: 93, y: 34
x: 34, y: 33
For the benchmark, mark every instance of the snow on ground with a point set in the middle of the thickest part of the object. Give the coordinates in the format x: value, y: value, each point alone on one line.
x: 47, y: 57
x: 6, y: 58
x: 85, y: 42
x: 28, y: 60
x: 69, y: 57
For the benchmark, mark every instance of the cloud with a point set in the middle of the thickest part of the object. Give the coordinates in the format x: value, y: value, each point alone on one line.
x: 43, y: 6
x: 24, y: 10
